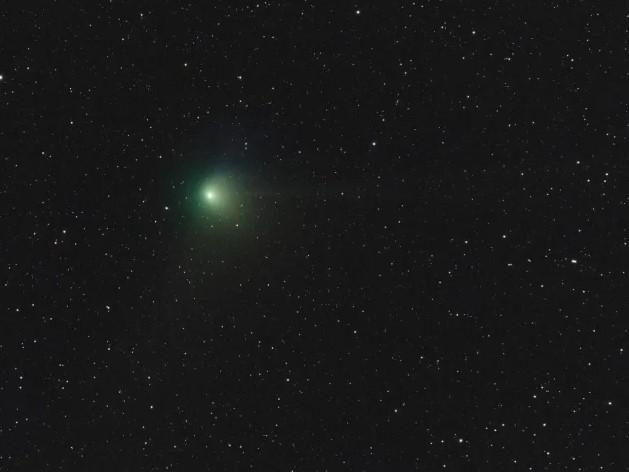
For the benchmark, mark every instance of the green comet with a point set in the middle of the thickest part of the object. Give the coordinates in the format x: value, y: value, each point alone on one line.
x: 210, y: 195
x: 218, y: 203
x: 219, y: 193
x: 221, y: 198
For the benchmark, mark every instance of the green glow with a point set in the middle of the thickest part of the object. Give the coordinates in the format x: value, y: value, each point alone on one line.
x: 217, y: 193
x: 217, y: 203
x: 220, y: 198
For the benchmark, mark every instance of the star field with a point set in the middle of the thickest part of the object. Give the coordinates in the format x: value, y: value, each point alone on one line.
x: 301, y: 236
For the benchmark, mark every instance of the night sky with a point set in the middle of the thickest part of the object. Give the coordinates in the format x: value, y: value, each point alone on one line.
x: 314, y: 236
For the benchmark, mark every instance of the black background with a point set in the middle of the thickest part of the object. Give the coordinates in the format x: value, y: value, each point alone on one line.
x: 430, y: 274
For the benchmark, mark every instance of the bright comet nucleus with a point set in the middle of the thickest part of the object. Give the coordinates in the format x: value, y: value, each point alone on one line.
x: 211, y: 194
x: 221, y: 197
